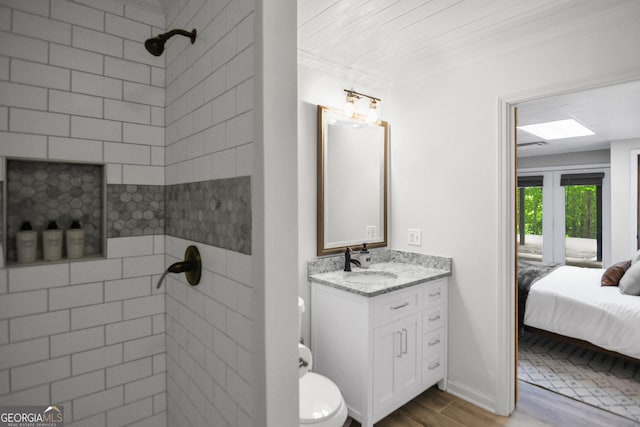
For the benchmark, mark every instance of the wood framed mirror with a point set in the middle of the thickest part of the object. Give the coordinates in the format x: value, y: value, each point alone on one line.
x: 353, y: 167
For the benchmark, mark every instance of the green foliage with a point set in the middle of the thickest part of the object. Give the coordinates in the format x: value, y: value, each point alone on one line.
x: 580, y: 211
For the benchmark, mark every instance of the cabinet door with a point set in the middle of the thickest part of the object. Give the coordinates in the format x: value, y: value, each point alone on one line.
x: 396, y: 363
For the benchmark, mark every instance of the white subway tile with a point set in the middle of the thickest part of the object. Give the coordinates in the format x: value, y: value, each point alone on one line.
x: 40, y: 373
x: 38, y: 325
x: 159, y: 363
x: 157, y: 156
x: 245, y: 364
x: 82, y: 150
x: 157, y: 76
x: 88, y: 128
x: 34, y: 396
x: 240, y: 130
x: 114, y: 175
x: 128, y: 372
x: 140, y: 134
x: 127, y: 70
x: 92, y: 271
x: 244, y: 96
x: 127, y: 414
x: 77, y: 386
x: 40, y: 74
x: 225, y: 404
x: 239, y: 267
x: 244, y: 33
x: 4, y: 285
x: 223, y: 164
x: 214, y: 85
x: 223, y: 107
x: 135, y: 51
x: 144, y: 347
x: 39, y: 122
x: 22, y: 353
x: 4, y: 118
x: 144, y: 14
x: 145, y: 387
x: 97, y: 42
x: 77, y: 14
x: 22, y: 303
x: 116, y: 152
x: 93, y: 315
x: 143, y: 265
x: 126, y: 28
x: 75, y: 59
x: 128, y: 330
x: 245, y: 163
x: 127, y: 288
x: 77, y: 341
x: 160, y: 402
x: 240, y: 390
x: 41, y: 28
x: 158, y: 244
x: 130, y: 246
x: 73, y: 103
x: 143, y: 175
x: 38, y: 277
x: 99, y: 358
x: 96, y: 85
x: 158, y: 420
x: 159, y: 323
x: 240, y: 329
x: 240, y: 68
x: 145, y: 306
x: 127, y: 111
x: 144, y: 94
x: 75, y: 296
x: 15, y: 46
x: 4, y: 68
x: 18, y: 95
x: 4, y: 382
x: 225, y: 348
x: 4, y: 332
x: 111, y: 6
x: 39, y: 7
x: 97, y: 402
x: 157, y: 116
x: 224, y: 51
x: 245, y: 301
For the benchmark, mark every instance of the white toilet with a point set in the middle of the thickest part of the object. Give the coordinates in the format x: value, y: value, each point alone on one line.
x: 321, y: 403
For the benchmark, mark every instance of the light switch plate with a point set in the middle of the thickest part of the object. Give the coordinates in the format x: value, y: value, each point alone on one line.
x: 415, y: 237
x: 371, y: 231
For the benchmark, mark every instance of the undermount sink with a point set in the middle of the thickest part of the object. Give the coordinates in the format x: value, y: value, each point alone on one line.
x: 369, y: 277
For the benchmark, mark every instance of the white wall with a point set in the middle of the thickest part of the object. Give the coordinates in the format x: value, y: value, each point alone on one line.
x: 624, y: 183
x: 77, y: 85
x: 320, y: 88
x: 444, y: 174
x: 209, y: 122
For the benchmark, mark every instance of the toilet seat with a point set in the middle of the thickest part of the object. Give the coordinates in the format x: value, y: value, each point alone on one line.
x: 320, y: 399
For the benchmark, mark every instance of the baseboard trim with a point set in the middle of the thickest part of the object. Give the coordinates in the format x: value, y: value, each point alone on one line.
x: 472, y: 396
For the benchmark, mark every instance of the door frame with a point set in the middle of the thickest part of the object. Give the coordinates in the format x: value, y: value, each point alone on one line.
x: 506, y: 379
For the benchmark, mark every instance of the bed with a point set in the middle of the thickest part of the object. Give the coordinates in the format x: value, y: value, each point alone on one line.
x: 570, y: 302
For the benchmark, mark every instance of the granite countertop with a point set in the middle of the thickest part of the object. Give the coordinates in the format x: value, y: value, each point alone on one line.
x: 407, y: 275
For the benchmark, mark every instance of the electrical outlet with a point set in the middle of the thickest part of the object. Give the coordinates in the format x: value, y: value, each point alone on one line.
x: 415, y: 237
x: 370, y: 231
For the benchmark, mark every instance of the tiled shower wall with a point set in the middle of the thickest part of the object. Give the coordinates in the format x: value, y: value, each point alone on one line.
x: 76, y: 85
x: 210, y: 137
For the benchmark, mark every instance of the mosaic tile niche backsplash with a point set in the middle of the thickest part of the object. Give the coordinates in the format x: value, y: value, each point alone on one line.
x: 135, y: 210
x: 216, y: 212
x: 40, y: 192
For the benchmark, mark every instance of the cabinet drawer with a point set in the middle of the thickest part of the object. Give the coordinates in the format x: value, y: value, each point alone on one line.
x: 433, y: 369
x: 434, y: 293
x: 396, y: 305
x: 433, y: 319
x: 433, y: 343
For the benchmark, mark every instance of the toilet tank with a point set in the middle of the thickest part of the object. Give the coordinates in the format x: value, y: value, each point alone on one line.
x: 300, y: 311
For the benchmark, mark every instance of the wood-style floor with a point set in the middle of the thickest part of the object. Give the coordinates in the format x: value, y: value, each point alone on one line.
x: 536, y: 407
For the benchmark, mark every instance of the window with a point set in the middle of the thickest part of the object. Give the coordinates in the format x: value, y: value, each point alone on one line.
x: 583, y: 218
x: 529, y: 209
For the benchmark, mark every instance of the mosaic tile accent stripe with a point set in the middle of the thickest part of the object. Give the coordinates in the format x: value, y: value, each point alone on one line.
x: 216, y: 213
x: 40, y: 192
x: 135, y: 210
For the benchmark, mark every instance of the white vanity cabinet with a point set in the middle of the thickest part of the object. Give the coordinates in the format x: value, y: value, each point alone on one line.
x: 381, y: 351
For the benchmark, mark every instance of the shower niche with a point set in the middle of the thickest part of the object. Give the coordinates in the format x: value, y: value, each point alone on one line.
x: 46, y: 195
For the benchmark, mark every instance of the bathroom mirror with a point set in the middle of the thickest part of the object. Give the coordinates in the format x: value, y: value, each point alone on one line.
x: 352, y: 182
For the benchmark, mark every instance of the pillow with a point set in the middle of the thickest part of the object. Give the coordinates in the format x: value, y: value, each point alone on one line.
x: 635, y: 258
x: 612, y: 275
x: 630, y: 282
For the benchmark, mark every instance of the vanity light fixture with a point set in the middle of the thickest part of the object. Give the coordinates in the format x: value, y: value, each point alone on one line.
x: 350, y: 105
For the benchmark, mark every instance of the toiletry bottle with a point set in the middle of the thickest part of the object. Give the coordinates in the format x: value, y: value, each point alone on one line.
x: 75, y: 240
x: 365, y: 256
x: 26, y: 243
x: 52, y: 242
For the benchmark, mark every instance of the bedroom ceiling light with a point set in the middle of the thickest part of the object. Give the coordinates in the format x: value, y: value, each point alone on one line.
x: 350, y: 105
x: 558, y: 129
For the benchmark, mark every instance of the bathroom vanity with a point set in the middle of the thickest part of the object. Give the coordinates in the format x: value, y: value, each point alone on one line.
x: 380, y: 333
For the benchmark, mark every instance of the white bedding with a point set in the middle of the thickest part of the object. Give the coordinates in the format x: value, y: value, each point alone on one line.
x: 570, y: 301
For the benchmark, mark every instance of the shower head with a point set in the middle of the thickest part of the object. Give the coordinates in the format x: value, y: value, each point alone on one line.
x: 155, y: 45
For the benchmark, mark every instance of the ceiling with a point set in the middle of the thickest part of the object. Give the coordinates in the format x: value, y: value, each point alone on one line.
x: 406, y: 40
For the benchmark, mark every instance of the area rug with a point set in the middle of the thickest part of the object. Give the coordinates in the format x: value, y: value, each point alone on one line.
x: 603, y: 381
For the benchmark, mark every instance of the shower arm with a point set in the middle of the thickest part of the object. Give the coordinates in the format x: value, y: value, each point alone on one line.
x: 166, y: 36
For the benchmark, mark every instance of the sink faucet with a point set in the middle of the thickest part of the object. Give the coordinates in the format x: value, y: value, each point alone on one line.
x: 348, y: 260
